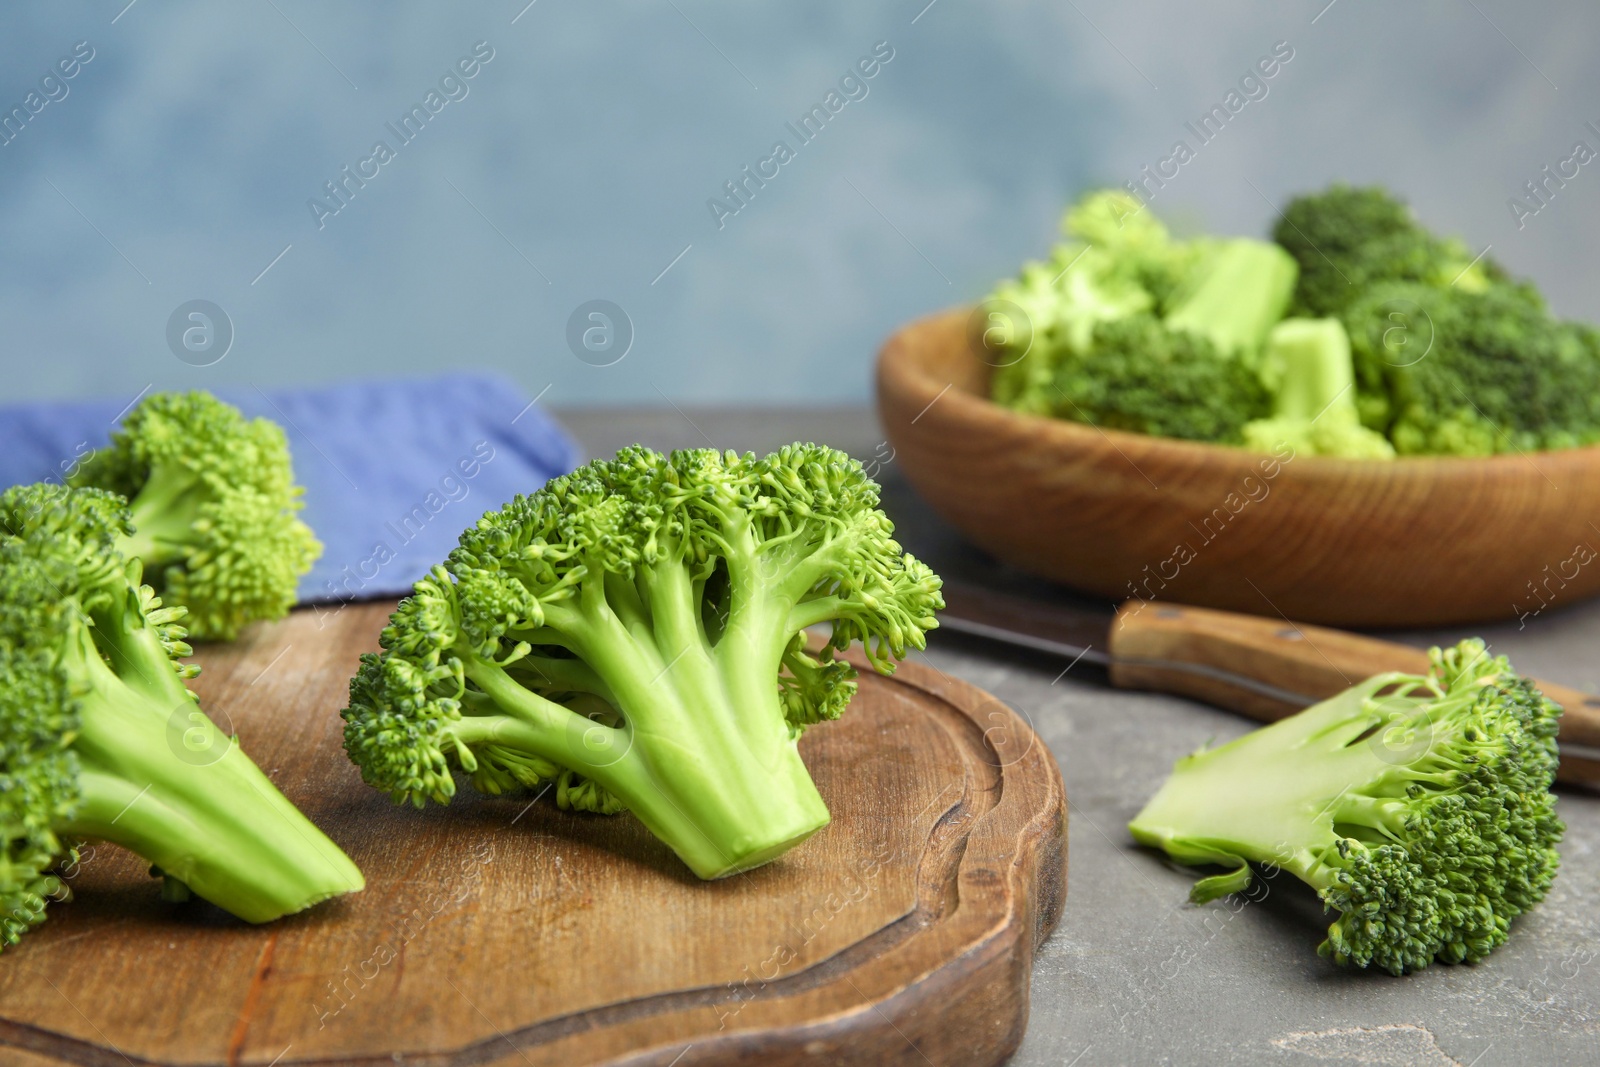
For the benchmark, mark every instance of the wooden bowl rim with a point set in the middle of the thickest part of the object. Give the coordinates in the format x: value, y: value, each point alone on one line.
x: 904, y: 357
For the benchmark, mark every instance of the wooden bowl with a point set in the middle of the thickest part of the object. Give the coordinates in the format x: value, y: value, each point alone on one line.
x: 1424, y: 541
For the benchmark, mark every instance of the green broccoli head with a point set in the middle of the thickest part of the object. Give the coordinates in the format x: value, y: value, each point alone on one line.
x: 1116, y: 259
x: 1418, y: 807
x: 632, y: 634
x: 1060, y: 302
x: 1348, y: 239
x: 1145, y: 378
x: 100, y: 737
x: 214, y: 508
x: 1090, y: 347
x: 1136, y: 244
x: 38, y: 776
x: 1442, y: 371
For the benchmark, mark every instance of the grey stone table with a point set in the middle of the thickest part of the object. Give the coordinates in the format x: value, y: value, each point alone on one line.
x: 1134, y: 974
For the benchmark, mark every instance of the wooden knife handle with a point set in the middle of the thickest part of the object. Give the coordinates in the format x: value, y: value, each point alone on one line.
x: 1312, y: 660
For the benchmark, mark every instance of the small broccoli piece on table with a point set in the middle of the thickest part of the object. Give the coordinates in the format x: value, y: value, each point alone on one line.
x: 214, y: 506
x: 1348, y: 239
x: 101, y: 739
x: 1307, y: 367
x: 1418, y: 807
x: 1145, y: 378
x: 632, y: 633
x: 1447, y: 372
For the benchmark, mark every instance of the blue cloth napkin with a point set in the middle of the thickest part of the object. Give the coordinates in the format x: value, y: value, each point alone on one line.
x: 393, y: 470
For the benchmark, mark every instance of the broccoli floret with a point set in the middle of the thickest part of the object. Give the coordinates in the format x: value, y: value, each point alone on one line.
x: 1062, y: 302
x: 631, y: 633
x: 1348, y: 239
x: 1418, y: 807
x: 1137, y: 245
x: 101, y: 739
x: 1234, y: 296
x: 214, y: 507
x: 1307, y: 367
x: 1193, y: 374
x: 1145, y: 378
x: 1117, y: 260
x: 1443, y: 371
x: 1097, y: 351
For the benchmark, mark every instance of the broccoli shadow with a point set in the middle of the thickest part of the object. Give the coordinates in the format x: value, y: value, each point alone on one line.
x: 112, y: 887
x: 523, y: 818
x: 1286, y: 911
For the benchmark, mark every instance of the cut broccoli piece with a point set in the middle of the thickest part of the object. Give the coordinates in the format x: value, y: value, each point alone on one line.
x: 1348, y: 239
x: 1137, y: 245
x: 1418, y: 807
x: 1145, y: 378
x: 1307, y: 368
x: 633, y: 633
x: 214, y: 507
x: 100, y: 738
x: 1443, y: 371
x: 1191, y: 375
x: 1117, y: 260
x: 1062, y: 302
x: 1234, y: 296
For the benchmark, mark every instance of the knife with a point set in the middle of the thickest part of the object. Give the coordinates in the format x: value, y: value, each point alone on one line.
x: 1262, y: 668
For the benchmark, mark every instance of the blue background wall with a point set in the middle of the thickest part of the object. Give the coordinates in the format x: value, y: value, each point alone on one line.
x: 181, y: 160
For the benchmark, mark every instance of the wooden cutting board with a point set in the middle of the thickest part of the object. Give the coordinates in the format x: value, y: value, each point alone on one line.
x: 501, y: 932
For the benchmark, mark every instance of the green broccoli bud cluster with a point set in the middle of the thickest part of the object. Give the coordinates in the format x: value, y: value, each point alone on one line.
x: 214, y: 509
x: 1145, y: 378
x: 1129, y: 328
x: 633, y: 633
x: 1399, y: 341
x: 1447, y: 372
x: 1350, y: 239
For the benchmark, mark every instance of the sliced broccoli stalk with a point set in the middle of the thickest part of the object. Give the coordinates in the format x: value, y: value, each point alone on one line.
x: 214, y: 507
x: 100, y: 738
x: 1234, y: 296
x: 1307, y: 367
x: 633, y: 632
x: 1418, y: 807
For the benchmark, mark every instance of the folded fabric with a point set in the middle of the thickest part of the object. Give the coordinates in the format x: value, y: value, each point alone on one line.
x: 393, y: 470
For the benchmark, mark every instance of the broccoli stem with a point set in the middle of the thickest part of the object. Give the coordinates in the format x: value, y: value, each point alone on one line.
x: 708, y: 769
x: 161, y: 780
x: 1240, y: 292
x: 1286, y: 793
x: 705, y: 758
x: 138, y: 659
x: 1308, y: 364
x: 163, y: 513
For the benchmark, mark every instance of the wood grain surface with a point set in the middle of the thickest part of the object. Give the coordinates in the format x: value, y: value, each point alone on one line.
x: 1147, y: 640
x: 1422, y: 541
x: 500, y: 931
